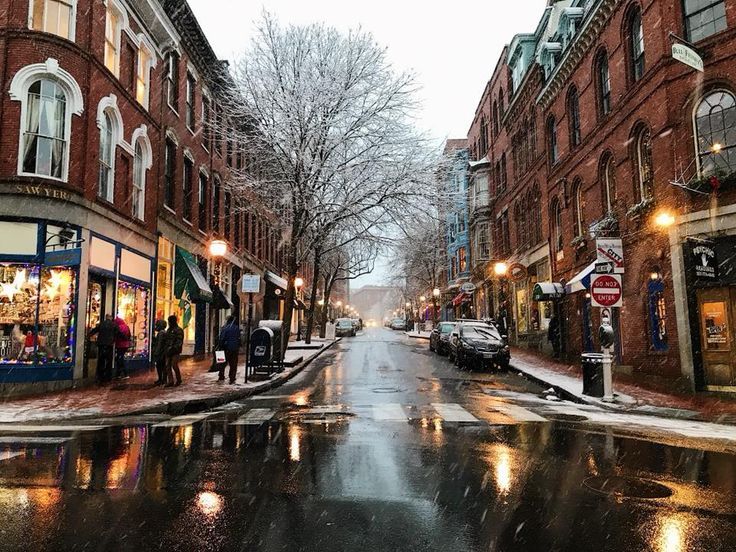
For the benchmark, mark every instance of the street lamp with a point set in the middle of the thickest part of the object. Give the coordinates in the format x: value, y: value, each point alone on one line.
x: 500, y: 269
x: 298, y: 283
x: 218, y: 248
x: 664, y: 219
x: 435, y: 296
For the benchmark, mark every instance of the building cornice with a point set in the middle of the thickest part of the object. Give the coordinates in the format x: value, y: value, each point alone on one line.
x: 581, y: 45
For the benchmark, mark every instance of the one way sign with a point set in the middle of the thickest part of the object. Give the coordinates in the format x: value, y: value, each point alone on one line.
x: 610, y: 250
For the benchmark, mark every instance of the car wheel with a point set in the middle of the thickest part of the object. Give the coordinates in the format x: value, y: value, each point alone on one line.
x: 431, y: 347
x: 459, y: 361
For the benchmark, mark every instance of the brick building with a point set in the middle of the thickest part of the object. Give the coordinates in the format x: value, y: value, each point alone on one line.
x: 113, y: 188
x: 624, y: 141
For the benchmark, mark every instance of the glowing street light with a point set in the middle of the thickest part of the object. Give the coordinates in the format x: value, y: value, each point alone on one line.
x: 664, y: 219
x: 436, y: 292
x: 218, y: 248
x: 500, y: 269
x: 422, y: 298
x: 298, y: 282
x: 408, y: 304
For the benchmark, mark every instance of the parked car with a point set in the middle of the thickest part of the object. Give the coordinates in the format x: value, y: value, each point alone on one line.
x: 398, y: 324
x: 478, y: 345
x: 356, y: 323
x: 439, y: 339
x: 344, y: 327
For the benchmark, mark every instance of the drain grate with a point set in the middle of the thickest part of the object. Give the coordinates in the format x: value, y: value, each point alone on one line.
x: 627, y: 487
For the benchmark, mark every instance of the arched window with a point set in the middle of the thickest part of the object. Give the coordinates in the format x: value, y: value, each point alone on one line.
x: 608, y: 180
x: 106, y: 177
x: 558, y: 241
x: 603, y: 84
x: 578, y: 207
x: 46, y: 132
x: 573, y: 114
x: 495, y: 118
x: 552, y: 140
x: 644, y: 173
x: 715, y: 132
x: 535, y: 210
x: 139, y: 182
x: 635, y: 39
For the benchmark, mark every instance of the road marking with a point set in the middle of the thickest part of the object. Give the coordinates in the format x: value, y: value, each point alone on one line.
x: 452, y: 412
x: 391, y: 412
x: 518, y: 413
x: 28, y: 440
x: 255, y: 416
x: 187, y: 419
x: 14, y: 428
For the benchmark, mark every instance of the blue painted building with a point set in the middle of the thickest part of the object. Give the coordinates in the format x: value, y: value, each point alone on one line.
x: 455, y: 181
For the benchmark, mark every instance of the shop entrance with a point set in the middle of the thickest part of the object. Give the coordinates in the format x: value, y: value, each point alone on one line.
x: 717, y: 310
x: 97, y: 306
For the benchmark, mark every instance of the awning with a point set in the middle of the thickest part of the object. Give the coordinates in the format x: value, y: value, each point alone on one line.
x: 581, y: 281
x: 277, y: 280
x: 547, y: 291
x: 461, y: 298
x: 219, y: 299
x: 189, y: 279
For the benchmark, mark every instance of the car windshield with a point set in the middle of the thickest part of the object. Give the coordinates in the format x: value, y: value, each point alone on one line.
x: 480, y: 332
x: 446, y: 328
x: 344, y: 323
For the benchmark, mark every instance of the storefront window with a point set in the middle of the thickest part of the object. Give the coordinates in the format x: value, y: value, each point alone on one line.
x: 522, y: 325
x: 133, y: 308
x: 657, y: 316
x: 37, y: 315
x: 166, y: 303
x: 715, y: 325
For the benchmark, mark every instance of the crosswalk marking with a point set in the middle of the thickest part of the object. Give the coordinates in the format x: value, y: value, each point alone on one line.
x: 391, y: 412
x: 453, y: 412
x: 14, y: 428
x: 255, y: 416
x: 518, y: 413
x: 187, y: 419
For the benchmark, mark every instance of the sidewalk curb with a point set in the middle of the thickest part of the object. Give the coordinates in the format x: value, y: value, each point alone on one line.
x: 177, y: 408
x: 561, y: 391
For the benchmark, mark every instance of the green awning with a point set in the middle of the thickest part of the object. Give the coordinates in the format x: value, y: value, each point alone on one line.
x: 547, y: 291
x: 219, y: 299
x: 188, y: 278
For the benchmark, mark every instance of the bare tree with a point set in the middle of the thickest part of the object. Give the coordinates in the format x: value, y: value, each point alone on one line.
x: 332, y: 122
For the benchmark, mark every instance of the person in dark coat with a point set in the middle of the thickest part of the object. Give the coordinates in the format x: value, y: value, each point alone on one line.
x: 106, y: 332
x: 174, y: 343
x: 122, y: 344
x: 229, y: 342
x: 553, y: 335
x: 158, y: 351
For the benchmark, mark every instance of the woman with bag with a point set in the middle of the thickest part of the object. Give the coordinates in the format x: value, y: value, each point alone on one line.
x: 174, y: 344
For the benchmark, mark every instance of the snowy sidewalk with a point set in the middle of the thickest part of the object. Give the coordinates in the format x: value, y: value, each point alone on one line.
x: 200, y: 390
x: 419, y: 335
x: 629, y: 397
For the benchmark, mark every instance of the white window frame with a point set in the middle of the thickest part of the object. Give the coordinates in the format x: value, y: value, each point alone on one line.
x: 114, y: 7
x: 579, y: 231
x: 144, y: 75
x: 699, y: 154
x: 72, y: 17
x: 608, y: 167
x: 109, y: 105
x: 18, y: 91
x: 140, y: 137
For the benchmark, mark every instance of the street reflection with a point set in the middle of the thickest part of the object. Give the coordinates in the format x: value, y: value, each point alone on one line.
x: 671, y: 533
x: 183, y: 437
x: 294, y: 437
x: 504, y: 466
x: 209, y: 503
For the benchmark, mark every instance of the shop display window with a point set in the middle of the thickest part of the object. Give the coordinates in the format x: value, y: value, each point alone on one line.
x: 166, y: 303
x: 37, y: 314
x: 133, y: 301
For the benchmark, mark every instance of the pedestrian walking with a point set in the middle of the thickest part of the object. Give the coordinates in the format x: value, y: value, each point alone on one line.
x: 122, y: 344
x: 174, y: 342
x: 106, y: 331
x: 229, y: 341
x: 158, y: 351
x: 553, y: 335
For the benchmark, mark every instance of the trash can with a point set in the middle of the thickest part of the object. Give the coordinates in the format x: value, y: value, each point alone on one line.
x: 592, y: 364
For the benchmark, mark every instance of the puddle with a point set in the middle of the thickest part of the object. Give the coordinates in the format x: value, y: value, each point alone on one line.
x: 627, y: 487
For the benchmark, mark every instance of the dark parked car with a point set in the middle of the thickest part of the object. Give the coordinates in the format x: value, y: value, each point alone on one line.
x: 478, y: 345
x: 344, y: 327
x: 439, y: 339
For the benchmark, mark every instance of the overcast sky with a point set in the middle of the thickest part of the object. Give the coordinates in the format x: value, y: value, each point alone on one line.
x: 451, y: 46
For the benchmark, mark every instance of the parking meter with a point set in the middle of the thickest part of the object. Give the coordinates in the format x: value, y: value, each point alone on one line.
x: 605, y: 335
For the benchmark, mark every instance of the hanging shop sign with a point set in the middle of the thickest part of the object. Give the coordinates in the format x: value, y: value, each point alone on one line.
x: 688, y: 56
x: 468, y: 287
x: 610, y: 250
x: 704, y: 262
x: 517, y: 272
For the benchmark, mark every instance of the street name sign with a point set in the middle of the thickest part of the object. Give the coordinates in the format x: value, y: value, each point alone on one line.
x: 610, y: 250
x: 604, y: 268
x: 606, y: 290
x: 251, y: 283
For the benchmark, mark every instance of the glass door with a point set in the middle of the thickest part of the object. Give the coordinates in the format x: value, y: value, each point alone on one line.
x: 716, y: 332
x: 95, y: 313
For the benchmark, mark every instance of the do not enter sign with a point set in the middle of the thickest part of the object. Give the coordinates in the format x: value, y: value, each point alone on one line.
x: 606, y: 291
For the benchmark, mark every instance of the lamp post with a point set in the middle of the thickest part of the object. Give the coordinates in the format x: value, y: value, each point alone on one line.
x: 500, y: 269
x: 339, y: 309
x: 298, y: 284
x: 435, y: 296
x: 217, y: 249
x: 407, y: 310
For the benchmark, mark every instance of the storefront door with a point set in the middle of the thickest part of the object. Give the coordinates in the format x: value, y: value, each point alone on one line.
x: 96, y: 310
x: 717, y: 307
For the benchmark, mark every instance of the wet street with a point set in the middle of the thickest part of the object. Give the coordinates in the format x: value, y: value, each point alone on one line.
x: 378, y: 445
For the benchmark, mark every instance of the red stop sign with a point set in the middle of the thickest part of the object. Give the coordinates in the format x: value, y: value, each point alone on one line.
x: 605, y: 290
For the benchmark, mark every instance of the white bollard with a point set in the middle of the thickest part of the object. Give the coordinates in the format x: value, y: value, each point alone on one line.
x: 607, y: 375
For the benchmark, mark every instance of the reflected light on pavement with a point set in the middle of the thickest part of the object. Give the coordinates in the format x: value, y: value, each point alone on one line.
x: 300, y: 399
x: 209, y: 503
x: 183, y: 437
x: 503, y: 471
x: 671, y: 534
x: 294, y: 436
